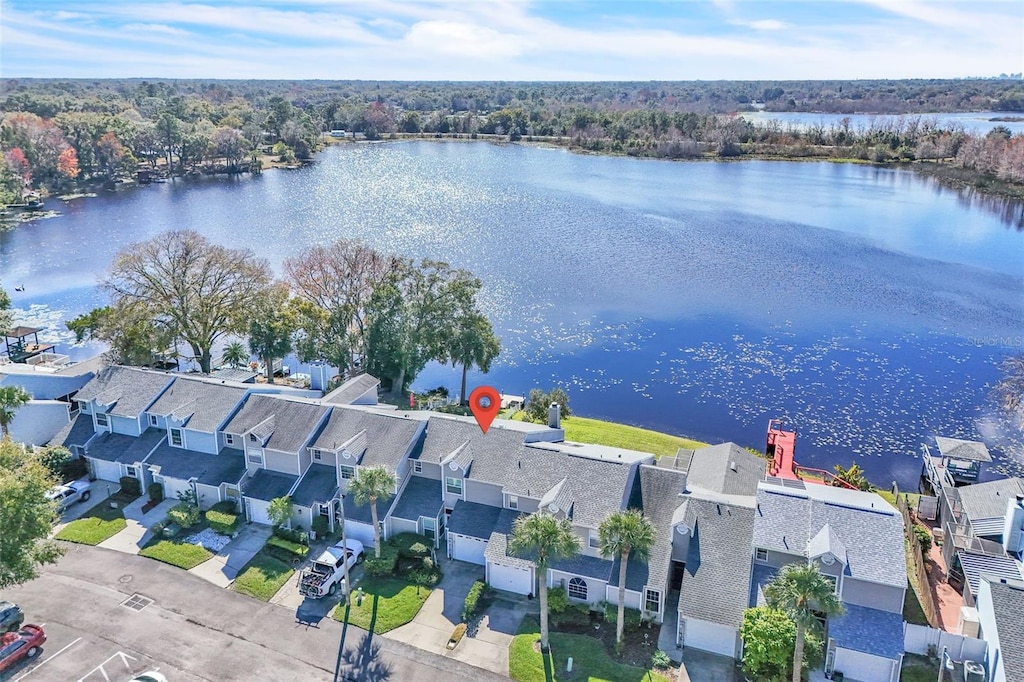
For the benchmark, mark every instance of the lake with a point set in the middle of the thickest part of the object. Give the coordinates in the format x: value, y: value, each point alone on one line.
x: 868, y: 307
x: 977, y: 122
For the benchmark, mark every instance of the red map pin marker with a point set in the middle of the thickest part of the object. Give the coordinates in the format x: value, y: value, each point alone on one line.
x: 485, y: 403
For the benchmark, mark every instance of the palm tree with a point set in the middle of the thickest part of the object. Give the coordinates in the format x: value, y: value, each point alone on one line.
x: 234, y: 355
x: 11, y: 398
x: 620, y: 534
x: 547, y: 538
x: 800, y: 590
x: 853, y: 476
x: 369, y: 485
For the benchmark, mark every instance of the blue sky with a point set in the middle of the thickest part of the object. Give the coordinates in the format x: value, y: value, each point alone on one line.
x: 511, y: 39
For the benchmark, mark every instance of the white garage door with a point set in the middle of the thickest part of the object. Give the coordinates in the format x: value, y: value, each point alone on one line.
x: 718, y: 639
x: 257, y: 510
x: 106, y: 471
x: 360, y: 531
x: 172, y: 486
x: 511, y: 579
x: 465, y: 548
x: 863, y: 667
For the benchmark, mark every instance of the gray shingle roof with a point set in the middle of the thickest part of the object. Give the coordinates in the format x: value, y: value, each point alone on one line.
x: 76, y: 432
x: 45, y: 386
x: 472, y: 519
x: 977, y: 565
x: 295, y: 421
x: 268, y: 485
x: 589, y: 566
x: 318, y: 484
x: 352, y: 389
x: 421, y: 497
x: 711, y: 469
x: 362, y: 513
x: 558, y: 498
x: 989, y: 500
x: 387, y: 438
x: 824, y: 541
x: 204, y: 404
x: 760, y: 576
x: 131, y: 390
x: 787, y: 519
x: 970, y: 450
x: 208, y: 469
x: 716, y: 585
x: 597, y: 487
x: 1007, y: 607
x: 497, y: 545
x: 661, y: 495
x: 115, y: 447
x: 868, y: 630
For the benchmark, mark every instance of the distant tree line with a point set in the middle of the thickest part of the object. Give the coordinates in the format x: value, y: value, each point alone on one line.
x: 55, y: 133
x: 345, y: 304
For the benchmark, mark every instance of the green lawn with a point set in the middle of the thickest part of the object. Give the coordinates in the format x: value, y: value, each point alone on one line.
x: 95, y: 526
x: 590, y: 660
x: 918, y: 669
x: 181, y: 554
x: 584, y: 430
x: 387, y: 604
x: 262, y: 577
x: 912, y: 609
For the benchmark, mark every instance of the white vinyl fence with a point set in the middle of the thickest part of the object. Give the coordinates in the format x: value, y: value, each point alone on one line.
x: 918, y: 638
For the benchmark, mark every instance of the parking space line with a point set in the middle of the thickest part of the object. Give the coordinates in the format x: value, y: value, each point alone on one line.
x: 124, y: 659
x: 42, y: 663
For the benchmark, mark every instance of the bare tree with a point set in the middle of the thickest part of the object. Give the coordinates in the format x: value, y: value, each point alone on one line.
x: 204, y: 290
x: 340, y: 279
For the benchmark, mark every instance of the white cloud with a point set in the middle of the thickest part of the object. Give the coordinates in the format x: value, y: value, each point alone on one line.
x: 761, y: 24
x: 462, y: 39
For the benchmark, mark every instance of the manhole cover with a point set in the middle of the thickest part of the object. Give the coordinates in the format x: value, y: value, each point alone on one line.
x: 136, y: 602
x: 124, y: 579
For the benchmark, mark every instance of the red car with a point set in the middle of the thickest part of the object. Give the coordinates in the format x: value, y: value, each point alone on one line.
x: 21, y: 645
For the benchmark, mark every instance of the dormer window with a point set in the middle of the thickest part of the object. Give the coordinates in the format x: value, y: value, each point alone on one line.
x: 253, y: 438
x: 453, y: 485
x: 827, y: 559
x: 102, y: 419
x: 346, y: 454
x: 347, y: 472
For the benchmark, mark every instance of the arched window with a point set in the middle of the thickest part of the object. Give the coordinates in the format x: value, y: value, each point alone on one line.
x: 578, y: 588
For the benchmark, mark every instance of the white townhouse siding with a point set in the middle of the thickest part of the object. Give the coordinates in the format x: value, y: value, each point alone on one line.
x: 632, y: 600
x: 200, y: 441
x: 285, y: 462
x: 874, y: 595
x: 483, y: 493
x: 426, y: 469
x: 127, y: 426
x: 581, y: 588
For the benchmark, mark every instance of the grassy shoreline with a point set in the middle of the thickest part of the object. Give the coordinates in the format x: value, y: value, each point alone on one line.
x: 613, y: 434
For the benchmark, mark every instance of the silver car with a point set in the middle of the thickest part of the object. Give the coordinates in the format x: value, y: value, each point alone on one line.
x: 69, y: 493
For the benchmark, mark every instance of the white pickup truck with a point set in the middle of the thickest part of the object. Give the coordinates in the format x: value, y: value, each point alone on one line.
x: 327, y: 573
x: 69, y: 493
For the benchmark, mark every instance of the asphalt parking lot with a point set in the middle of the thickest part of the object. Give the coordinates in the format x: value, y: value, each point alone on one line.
x: 190, y: 631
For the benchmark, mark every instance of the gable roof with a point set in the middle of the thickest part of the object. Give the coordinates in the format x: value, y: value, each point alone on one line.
x: 597, y: 485
x: 826, y: 541
x: 293, y: 422
x: 716, y: 579
x: 268, y: 485
x: 116, y: 447
x: 385, y: 438
x: 976, y: 566
x: 662, y: 500
x: 1007, y: 605
x: 956, y: 448
x: 203, y: 405
x: 711, y: 468
x: 868, y: 527
x: 989, y: 500
x: 128, y: 390
x: 352, y: 389
x: 76, y: 432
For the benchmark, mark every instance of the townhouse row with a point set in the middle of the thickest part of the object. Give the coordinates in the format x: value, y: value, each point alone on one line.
x: 723, y: 527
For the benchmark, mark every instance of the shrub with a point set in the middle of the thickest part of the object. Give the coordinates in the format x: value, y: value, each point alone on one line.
x: 292, y: 535
x: 224, y: 523
x: 426, y: 574
x: 411, y: 545
x: 54, y: 459
x: 659, y: 659
x: 385, y: 565
x: 74, y: 469
x: 131, y: 486
x: 285, y: 550
x: 575, y: 614
x: 156, y: 492
x: 321, y: 526
x: 183, y: 514
x: 631, y: 617
x: 924, y: 537
x: 472, y: 603
x: 558, y: 600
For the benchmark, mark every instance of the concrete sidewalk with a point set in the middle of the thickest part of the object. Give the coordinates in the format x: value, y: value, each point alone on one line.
x: 224, y: 567
x: 136, y: 533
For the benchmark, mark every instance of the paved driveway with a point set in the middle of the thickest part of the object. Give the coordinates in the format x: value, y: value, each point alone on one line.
x: 136, y: 533
x: 224, y: 567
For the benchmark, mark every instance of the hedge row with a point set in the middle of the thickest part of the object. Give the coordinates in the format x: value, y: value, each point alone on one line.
x: 223, y: 522
x: 285, y: 550
x: 472, y: 603
x: 386, y: 564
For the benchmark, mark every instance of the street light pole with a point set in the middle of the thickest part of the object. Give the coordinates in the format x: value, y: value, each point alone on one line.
x: 344, y: 544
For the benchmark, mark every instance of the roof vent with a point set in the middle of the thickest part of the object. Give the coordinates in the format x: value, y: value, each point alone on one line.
x: 732, y: 465
x: 520, y: 464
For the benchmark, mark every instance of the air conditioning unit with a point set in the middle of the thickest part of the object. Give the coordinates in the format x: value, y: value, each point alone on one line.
x: 968, y: 621
x: 974, y: 671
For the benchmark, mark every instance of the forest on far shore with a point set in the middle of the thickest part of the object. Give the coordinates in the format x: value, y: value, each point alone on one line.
x: 60, y: 135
